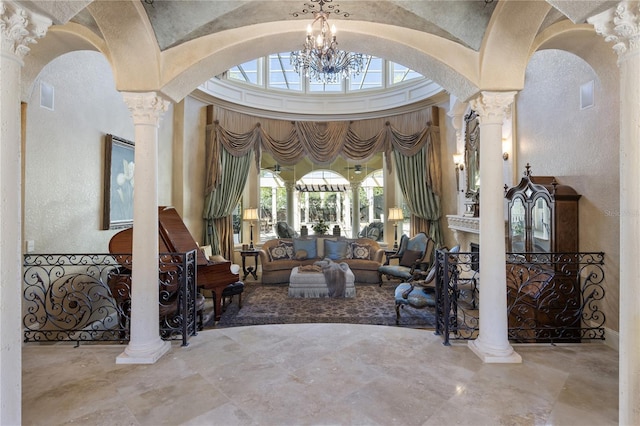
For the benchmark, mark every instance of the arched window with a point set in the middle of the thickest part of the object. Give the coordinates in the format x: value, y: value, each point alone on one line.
x: 275, y: 72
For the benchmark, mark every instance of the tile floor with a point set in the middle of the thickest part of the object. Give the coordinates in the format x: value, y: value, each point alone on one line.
x: 320, y: 374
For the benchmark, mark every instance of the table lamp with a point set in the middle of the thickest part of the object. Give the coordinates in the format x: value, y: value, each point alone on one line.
x: 395, y: 214
x: 251, y: 215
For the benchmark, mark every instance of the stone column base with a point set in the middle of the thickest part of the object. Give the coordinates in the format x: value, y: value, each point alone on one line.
x: 147, y: 355
x: 508, y: 357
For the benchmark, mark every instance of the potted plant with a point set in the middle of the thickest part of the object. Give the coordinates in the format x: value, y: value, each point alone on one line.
x: 321, y: 227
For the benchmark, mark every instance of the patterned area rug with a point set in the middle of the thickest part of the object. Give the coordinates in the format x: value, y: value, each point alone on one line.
x: 372, y: 305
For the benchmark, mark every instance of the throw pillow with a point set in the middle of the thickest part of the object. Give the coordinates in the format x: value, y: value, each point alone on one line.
x: 206, y: 250
x: 217, y: 258
x: 335, y: 250
x: 308, y: 245
x: 301, y: 255
x: 288, y: 245
x: 410, y: 257
x: 284, y: 250
x: 360, y: 251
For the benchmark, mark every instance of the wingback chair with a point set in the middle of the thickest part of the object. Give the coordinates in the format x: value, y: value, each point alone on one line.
x: 414, y: 255
x: 284, y: 230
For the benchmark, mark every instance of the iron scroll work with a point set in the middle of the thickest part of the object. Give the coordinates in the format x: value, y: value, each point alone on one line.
x: 86, y: 297
x: 551, y: 297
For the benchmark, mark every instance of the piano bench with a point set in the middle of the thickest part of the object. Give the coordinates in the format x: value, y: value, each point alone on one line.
x: 232, y: 290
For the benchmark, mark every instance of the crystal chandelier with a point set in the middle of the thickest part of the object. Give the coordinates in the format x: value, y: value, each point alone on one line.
x: 320, y: 59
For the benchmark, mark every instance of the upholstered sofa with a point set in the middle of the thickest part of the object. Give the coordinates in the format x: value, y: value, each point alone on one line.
x: 279, y: 256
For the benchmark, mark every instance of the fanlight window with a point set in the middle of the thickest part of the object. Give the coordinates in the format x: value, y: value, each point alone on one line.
x: 276, y: 72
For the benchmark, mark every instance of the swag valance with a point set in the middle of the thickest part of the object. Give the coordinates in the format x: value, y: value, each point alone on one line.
x: 289, y: 141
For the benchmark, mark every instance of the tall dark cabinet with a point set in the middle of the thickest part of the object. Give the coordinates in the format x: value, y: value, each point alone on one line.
x: 543, y: 291
x: 543, y: 216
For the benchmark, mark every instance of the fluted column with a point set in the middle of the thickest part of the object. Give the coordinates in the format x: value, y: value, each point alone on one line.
x: 621, y: 25
x: 492, y: 344
x: 18, y: 28
x: 145, y: 345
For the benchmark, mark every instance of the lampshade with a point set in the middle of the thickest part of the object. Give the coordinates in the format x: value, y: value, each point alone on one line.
x: 395, y: 213
x: 250, y: 214
x: 457, y: 159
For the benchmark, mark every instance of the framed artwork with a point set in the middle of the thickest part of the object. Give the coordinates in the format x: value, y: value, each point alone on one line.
x: 118, y: 183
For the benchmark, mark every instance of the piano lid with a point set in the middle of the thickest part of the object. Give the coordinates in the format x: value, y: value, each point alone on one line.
x: 174, y: 237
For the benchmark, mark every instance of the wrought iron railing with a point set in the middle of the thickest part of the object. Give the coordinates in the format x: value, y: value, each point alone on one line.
x: 86, y: 297
x: 551, y: 297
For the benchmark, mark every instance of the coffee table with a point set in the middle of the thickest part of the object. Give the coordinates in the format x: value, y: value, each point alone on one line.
x: 313, y: 284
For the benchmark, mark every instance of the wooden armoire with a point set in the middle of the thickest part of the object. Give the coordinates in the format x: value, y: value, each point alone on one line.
x: 543, y: 288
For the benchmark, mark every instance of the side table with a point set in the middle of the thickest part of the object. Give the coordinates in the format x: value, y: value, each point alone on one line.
x: 253, y: 270
x: 387, y: 255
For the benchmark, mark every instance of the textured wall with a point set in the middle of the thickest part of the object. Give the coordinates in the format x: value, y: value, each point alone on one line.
x: 194, y: 165
x: 64, y: 154
x: 580, y: 147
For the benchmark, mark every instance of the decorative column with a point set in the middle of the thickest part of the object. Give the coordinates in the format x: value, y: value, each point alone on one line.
x: 291, y: 208
x: 346, y: 206
x: 355, y: 190
x: 18, y: 28
x: 492, y: 345
x: 145, y: 345
x: 621, y: 25
x: 274, y: 213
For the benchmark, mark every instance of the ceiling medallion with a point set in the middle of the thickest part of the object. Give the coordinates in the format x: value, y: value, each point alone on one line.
x: 320, y: 59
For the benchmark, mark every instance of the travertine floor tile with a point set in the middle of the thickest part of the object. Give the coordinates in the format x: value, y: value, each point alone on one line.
x: 320, y: 374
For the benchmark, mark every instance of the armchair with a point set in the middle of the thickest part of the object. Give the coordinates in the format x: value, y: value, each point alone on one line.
x: 421, y: 292
x: 414, y: 255
x: 418, y: 294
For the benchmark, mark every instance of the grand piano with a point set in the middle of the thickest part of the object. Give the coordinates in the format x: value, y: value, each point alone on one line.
x: 174, y: 237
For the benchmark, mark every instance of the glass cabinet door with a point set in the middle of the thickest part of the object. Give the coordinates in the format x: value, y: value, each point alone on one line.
x: 517, y: 226
x: 541, y: 226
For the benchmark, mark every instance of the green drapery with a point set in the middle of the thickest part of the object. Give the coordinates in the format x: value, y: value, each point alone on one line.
x: 220, y: 202
x: 420, y: 189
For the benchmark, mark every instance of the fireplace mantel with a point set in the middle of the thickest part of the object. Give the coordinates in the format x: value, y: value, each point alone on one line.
x: 466, y: 230
x: 464, y: 223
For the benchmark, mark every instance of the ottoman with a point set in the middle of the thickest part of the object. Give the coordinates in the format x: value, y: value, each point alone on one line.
x: 312, y: 284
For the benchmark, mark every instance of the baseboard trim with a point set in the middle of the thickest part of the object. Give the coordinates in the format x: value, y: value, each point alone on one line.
x: 612, y: 338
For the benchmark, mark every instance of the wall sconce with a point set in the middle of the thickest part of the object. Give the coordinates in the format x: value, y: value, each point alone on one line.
x: 458, y: 160
x: 395, y: 214
x: 250, y: 215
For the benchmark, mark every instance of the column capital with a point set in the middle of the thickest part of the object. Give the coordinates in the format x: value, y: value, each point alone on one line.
x: 146, y: 108
x: 492, y: 106
x: 620, y: 25
x: 20, y: 27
